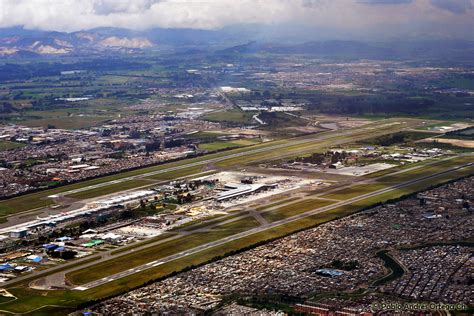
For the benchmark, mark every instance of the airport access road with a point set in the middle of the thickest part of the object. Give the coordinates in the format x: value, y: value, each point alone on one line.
x: 259, y: 229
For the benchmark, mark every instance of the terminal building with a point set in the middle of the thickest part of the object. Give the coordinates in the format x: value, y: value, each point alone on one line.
x: 21, y: 230
x: 235, y: 190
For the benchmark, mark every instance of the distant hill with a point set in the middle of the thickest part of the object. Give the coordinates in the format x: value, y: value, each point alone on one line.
x: 18, y: 42
x: 333, y: 48
x: 448, y: 49
x: 15, y: 42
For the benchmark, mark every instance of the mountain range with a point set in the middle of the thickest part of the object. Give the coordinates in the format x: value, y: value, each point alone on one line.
x: 18, y: 42
x: 238, y: 39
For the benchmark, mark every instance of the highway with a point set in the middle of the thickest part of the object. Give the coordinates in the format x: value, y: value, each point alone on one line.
x: 222, y: 241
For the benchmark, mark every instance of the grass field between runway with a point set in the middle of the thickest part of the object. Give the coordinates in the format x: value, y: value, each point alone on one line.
x: 159, y: 251
x: 190, y: 241
x: 294, y: 209
x: 29, y: 299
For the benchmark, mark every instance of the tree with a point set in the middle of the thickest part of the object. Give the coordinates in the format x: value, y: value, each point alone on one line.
x: 466, y: 205
x: 153, y: 146
x: 7, y: 107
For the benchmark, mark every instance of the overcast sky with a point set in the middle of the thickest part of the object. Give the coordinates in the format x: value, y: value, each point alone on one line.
x: 392, y: 18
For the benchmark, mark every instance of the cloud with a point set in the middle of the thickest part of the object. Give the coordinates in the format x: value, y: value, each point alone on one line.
x: 454, y: 6
x: 106, y: 7
x: 384, y: 1
x: 313, y: 3
x: 349, y: 18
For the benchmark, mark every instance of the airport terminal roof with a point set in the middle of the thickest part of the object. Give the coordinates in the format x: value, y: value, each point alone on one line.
x: 237, y: 189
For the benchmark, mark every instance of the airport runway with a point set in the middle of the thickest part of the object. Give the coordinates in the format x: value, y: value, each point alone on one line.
x: 353, y: 133
x: 349, y: 132
x: 76, y: 264
x: 222, y: 241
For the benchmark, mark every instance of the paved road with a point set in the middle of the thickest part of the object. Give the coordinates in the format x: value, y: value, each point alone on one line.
x: 222, y: 241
